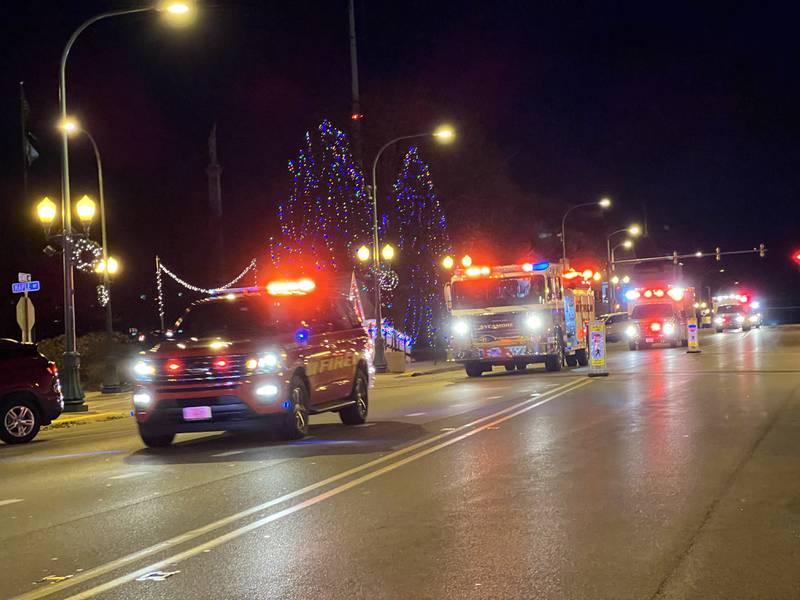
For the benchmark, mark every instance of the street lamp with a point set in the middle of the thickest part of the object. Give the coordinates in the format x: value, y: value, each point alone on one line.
x: 387, y: 252
x: 448, y: 262
x: 443, y: 134
x: 70, y: 375
x: 627, y: 244
x: 86, y: 210
x: 46, y: 211
x: 632, y: 230
x: 362, y: 254
x: 602, y: 203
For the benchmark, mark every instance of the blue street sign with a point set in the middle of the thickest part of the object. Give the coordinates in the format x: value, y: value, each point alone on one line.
x: 25, y: 286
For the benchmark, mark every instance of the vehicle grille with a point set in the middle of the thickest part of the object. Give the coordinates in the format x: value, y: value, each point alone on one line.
x: 201, y: 369
x: 496, y: 327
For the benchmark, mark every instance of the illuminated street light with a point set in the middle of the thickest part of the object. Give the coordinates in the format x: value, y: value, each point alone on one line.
x: 46, y: 211
x: 626, y: 279
x: 466, y: 262
x: 448, y: 262
x: 615, y: 280
x: 444, y: 134
x: 69, y: 125
x: 363, y: 254
x: 635, y: 230
x: 86, y: 209
x: 387, y: 252
x: 627, y: 244
x: 602, y: 203
x: 111, y: 266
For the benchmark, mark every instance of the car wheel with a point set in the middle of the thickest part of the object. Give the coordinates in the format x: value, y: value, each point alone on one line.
x: 19, y: 420
x: 295, y: 421
x: 745, y: 329
x: 582, y: 357
x: 356, y: 414
x: 155, y: 439
x: 718, y: 330
x: 473, y: 369
x: 632, y: 346
x: 552, y: 362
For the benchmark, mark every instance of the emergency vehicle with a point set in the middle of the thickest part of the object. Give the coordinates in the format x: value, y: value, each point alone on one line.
x: 735, y: 311
x: 257, y: 357
x: 516, y: 315
x: 659, y: 315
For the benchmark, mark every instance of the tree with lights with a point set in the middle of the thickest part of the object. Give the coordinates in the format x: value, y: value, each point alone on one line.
x: 328, y: 212
x: 420, y: 228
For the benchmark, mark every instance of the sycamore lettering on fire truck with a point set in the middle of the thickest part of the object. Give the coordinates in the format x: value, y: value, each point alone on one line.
x: 515, y: 315
x: 659, y: 314
x: 254, y: 358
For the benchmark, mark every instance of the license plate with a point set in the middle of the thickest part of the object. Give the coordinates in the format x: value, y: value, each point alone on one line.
x: 648, y: 340
x: 197, y: 413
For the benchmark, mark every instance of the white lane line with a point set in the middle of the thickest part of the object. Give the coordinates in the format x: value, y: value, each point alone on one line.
x: 205, y: 529
x: 10, y: 501
x: 129, y: 475
x: 494, y: 397
x: 228, y: 453
x: 236, y: 533
x: 416, y: 414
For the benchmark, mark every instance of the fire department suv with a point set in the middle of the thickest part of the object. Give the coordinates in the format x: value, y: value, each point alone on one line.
x: 255, y: 357
x: 659, y: 315
x: 516, y: 315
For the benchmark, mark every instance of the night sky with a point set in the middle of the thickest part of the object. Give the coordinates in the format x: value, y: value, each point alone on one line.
x: 686, y: 114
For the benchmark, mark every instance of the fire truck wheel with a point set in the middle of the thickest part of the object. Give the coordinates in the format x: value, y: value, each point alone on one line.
x: 718, y: 329
x: 571, y: 359
x: 521, y: 366
x: 632, y: 346
x: 582, y: 357
x: 473, y: 369
x: 152, y: 439
x: 685, y: 343
x: 295, y: 422
x: 552, y: 362
x: 745, y: 328
x: 510, y: 366
x: 356, y: 414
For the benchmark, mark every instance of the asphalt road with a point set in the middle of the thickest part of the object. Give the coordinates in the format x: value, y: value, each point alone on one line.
x: 675, y: 477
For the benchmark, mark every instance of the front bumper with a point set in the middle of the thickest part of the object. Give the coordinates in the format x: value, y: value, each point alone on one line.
x: 501, y: 352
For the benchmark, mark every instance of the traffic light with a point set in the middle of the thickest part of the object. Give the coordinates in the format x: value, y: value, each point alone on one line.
x: 762, y: 250
x: 718, y: 254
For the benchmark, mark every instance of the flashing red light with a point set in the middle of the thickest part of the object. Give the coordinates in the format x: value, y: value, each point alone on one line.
x: 744, y: 298
x: 796, y: 257
x: 658, y: 293
x: 656, y: 326
x: 587, y: 274
x: 173, y: 366
x: 356, y: 116
x: 221, y: 363
x: 648, y: 293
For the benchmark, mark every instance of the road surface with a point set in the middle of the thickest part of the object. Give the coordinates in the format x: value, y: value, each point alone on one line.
x: 675, y: 477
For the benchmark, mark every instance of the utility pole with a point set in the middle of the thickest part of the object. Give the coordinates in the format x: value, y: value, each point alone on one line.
x: 355, y: 112
x: 214, y: 172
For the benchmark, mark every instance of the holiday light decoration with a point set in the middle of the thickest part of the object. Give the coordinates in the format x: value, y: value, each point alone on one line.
x: 421, y: 230
x: 103, y: 295
x: 328, y: 213
x: 86, y: 254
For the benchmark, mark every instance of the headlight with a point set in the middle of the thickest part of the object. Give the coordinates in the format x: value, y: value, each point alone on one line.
x: 719, y: 320
x: 631, y: 331
x: 144, y: 369
x: 754, y: 319
x: 533, y: 322
x: 264, y: 363
x: 739, y: 318
x: 142, y: 400
x: 669, y: 328
x: 461, y: 328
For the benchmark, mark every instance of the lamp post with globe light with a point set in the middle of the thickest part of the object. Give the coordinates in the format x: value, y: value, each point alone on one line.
x: 70, y: 375
x: 602, y: 203
x: 633, y: 231
x: 443, y: 134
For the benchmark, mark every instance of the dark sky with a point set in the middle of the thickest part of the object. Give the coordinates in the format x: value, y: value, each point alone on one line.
x: 687, y: 110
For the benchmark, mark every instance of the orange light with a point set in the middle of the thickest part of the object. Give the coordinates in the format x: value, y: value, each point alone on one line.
x: 676, y: 294
x: 485, y: 270
x: 473, y: 271
x: 648, y: 293
x: 658, y: 293
x: 466, y: 262
x: 291, y: 288
x: 527, y: 267
x: 597, y: 277
x: 587, y: 274
x: 221, y: 363
x: 570, y: 275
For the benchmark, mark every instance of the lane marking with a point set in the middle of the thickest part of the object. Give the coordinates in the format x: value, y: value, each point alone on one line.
x: 416, y: 414
x: 236, y: 533
x: 494, y: 397
x: 228, y: 453
x: 195, y: 533
x: 129, y: 475
x: 10, y: 501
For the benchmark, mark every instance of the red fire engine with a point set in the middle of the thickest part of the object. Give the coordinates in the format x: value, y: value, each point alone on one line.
x: 659, y: 315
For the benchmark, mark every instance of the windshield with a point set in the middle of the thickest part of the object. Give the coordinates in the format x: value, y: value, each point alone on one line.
x: 248, y: 316
x: 509, y: 291
x: 652, y: 311
x: 729, y: 309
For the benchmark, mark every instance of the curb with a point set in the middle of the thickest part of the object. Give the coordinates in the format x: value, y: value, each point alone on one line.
x: 63, y: 422
x: 446, y: 369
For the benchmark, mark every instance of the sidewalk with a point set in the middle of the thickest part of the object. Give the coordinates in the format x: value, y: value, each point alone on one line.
x: 423, y: 367
x: 102, y: 407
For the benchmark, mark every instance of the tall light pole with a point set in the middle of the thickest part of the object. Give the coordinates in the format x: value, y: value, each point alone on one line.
x: 633, y: 231
x: 627, y: 244
x: 602, y: 203
x: 444, y: 134
x: 70, y: 376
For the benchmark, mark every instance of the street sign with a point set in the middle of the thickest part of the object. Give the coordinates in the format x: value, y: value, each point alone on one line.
x: 23, y: 287
x: 26, y: 317
x: 691, y: 333
x: 597, y: 349
x: 23, y: 277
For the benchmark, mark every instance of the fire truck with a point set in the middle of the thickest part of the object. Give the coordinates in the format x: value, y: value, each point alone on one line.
x: 516, y: 315
x: 258, y: 357
x: 659, y: 315
x: 735, y: 311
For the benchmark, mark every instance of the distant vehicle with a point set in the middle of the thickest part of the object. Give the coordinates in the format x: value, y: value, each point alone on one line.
x: 516, y: 315
x: 30, y: 393
x: 659, y: 315
x: 253, y: 358
x: 615, y: 325
x: 733, y: 316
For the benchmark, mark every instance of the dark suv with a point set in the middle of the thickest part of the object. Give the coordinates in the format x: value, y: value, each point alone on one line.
x: 30, y: 394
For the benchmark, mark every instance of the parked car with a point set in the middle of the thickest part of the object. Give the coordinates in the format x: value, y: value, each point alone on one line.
x: 30, y: 393
x: 615, y: 325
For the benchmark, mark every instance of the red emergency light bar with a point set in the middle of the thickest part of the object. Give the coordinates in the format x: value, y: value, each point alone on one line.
x: 300, y: 287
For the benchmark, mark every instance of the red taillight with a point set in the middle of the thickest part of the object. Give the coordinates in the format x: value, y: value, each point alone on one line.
x: 53, y: 369
x: 173, y: 366
x: 221, y: 363
x: 655, y: 326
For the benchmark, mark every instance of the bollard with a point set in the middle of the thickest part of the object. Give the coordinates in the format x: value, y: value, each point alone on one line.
x: 597, y: 349
x: 691, y: 337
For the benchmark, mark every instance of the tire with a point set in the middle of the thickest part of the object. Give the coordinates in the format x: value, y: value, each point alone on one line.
x: 746, y: 329
x: 522, y: 366
x: 582, y: 356
x: 718, y: 330
x: 685, y: 343
x: 510, y: 366
x: 295, y: 422
x: 552, y: 362
x: 19, y: 420
x: 632, y: 346
x: 473, y: 369
x: 571, y: 360
x: 152, y: 439
x: 356, y: 414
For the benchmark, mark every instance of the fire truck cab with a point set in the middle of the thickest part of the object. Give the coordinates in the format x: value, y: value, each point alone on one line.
x: 253, y: 358
x: 659, y: 315
x: 516, y: 315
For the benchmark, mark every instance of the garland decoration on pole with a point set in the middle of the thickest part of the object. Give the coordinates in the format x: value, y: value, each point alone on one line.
x: 86, y: 254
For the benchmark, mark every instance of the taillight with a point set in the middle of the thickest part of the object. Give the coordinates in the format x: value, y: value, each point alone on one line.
x: 221, y: 363
x: 173, y: 366
x: 655, y: 326
x: 51, y: 366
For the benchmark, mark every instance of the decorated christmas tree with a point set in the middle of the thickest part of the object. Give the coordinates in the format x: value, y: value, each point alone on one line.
x: 420, y: 229
x: 327, y: 215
